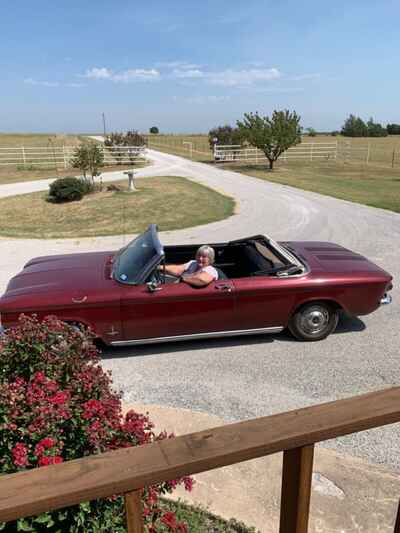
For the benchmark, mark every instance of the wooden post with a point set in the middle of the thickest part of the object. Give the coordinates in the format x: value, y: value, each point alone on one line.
x: 368, y: 153
x: 312, y: 149
x: 65, y: 158
x: 394, y: 152
x: 296, y: 489
x: 134, y: 512
x: 23, y: 156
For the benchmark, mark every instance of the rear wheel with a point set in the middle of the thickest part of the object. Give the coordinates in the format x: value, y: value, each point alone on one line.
x: 314, y: 321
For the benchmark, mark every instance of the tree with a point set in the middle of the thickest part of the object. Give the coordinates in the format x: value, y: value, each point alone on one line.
x: 154, y: 130
x: 311, y: 132
x: 393, y: 129
x: 131, y: 139
x: 375, y: 129
x: 354, y: 127
x: 271, y: 135
x: 225, y: 135
x: 88, y: 157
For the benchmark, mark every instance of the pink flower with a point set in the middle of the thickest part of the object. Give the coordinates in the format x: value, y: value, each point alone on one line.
x: 46, y: 460
x: 169, y: 519
x: 20, y: 455
x: 43, y: 445
x: 59, y: 398
x: 188, y: 482
x: 39, y: 377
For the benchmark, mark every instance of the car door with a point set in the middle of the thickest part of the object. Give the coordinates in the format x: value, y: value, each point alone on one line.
x: 264, y: 302
x: 177, y: 309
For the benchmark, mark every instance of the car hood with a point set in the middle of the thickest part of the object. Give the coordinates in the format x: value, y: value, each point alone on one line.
x: 58, y: 273
x: 333, y: 258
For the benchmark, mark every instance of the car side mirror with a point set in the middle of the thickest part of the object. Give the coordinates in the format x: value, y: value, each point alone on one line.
x: 153, y: 286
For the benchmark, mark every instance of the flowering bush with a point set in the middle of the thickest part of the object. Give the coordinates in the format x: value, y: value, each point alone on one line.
x: 56, y: 404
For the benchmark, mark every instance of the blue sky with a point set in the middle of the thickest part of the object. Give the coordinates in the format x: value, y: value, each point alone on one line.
x: 189, y: 66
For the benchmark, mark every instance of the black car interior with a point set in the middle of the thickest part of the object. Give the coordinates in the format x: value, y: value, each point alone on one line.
x: 233, y: 260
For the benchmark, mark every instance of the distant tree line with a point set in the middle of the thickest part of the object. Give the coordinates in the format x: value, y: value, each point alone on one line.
x: 356, y: 127
x: 393, y: 129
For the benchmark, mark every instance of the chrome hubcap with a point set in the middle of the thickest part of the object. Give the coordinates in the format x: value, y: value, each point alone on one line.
x: 314, y: 319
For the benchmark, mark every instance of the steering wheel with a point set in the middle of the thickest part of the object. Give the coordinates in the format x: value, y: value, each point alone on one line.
x: 156, y: 277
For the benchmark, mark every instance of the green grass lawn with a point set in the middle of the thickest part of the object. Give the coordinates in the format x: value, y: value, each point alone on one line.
x: 364, y: 184
x: 200, y: 520
x: 171, y: 202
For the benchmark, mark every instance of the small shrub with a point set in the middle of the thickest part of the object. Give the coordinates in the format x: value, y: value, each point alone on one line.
x: 57, y: 404
x: 89, y: 158
x: 68, y: 189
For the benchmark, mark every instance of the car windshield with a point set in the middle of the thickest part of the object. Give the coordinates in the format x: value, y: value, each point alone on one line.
x: 134, y: 262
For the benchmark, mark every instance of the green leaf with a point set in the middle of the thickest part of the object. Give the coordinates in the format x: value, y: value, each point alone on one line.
x: 43, y: 518
x: 24, y: 525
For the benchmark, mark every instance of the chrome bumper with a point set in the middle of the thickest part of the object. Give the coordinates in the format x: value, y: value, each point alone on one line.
x: 386, y: 299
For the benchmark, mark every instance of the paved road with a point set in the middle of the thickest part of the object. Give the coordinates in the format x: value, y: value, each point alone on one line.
x: 254, y: 376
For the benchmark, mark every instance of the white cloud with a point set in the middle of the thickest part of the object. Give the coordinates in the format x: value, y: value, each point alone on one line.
x: 72, y: 84
x: 280, y: 90
x: 98, y: 73
x: 208, y: 99
x: 189, y: 73
x: 200, y: 100
x: 181, y: 65
x: 31, y: 81
x: 129, y: 75
x: 136, y: 74
x: 304, y: 77
x: 232, y: 78
x: 227, y: 77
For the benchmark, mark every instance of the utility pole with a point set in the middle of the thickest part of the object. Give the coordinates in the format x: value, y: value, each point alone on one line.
x: 104, y: 124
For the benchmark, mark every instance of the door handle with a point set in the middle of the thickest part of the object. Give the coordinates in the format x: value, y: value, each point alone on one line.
x: 79, y: 300
x: 224, y: 288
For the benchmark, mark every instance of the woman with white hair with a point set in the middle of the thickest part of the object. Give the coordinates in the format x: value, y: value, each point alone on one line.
x: 198, y: 272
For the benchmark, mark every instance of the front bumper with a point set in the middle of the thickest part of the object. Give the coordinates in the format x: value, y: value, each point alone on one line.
x: 386, y: 299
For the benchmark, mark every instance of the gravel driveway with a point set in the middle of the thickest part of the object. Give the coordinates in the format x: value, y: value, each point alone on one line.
x: 254, y: 376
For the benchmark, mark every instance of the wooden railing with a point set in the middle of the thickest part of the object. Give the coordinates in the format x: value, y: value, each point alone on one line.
x: 127, y: 470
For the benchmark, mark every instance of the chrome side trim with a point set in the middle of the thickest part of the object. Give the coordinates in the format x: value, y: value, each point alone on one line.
x: 194, y: 336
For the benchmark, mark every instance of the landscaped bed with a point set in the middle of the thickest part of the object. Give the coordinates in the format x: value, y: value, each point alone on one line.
x: 172, y: 202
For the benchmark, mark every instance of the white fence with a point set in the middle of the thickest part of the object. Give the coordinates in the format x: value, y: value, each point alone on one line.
x: 308, y: 151
x: 60, y: 156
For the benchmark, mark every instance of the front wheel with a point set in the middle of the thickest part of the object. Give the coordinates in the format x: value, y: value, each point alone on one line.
x: 314, y: 321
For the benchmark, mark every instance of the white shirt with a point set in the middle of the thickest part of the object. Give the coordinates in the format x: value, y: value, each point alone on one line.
x: 193, y: 267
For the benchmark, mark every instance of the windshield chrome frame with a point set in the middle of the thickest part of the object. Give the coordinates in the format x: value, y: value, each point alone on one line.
x: 146, y: 270
x: 289, y: 256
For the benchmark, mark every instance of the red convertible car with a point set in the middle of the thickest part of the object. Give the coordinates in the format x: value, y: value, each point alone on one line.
x: 263, y: 287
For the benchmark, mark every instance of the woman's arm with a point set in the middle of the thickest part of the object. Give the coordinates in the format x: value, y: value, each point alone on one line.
x: 200, y: 279
x: 175, y: 270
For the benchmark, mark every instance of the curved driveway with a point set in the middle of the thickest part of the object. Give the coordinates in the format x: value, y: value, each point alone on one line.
x: 254, y: 376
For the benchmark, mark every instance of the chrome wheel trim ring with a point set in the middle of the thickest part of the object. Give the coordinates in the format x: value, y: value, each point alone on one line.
x: 314, y: 320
